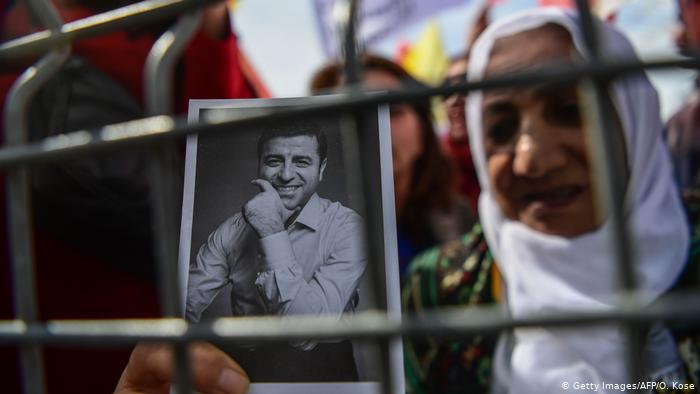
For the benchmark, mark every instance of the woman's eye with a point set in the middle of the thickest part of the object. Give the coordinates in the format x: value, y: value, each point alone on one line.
x: 502, y: 131
x: 566, y: 114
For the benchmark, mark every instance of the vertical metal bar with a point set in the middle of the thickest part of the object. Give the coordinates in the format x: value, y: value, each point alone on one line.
x: 610, y: 182
x: 159, y: 70
x: 358, y: 181
x: 161, y: 61
x: 19, y: 205
x: 158, y: 89
x: 351, y: 67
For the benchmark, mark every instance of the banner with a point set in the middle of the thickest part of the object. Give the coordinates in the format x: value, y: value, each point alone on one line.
x: 377, y: 19
x: 605, y: 10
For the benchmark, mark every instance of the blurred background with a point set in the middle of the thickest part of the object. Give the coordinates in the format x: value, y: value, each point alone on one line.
x: 284, y: 40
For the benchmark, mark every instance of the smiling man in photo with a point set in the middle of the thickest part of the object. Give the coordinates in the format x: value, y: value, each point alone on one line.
x: 287, y: 252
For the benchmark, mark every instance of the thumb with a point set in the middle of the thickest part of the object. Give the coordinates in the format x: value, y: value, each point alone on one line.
x: 264, y: 185
x: 215, y: 372
x: 151, y: 369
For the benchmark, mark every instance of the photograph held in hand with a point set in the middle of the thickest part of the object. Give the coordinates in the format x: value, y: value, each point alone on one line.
x: 270, y: 228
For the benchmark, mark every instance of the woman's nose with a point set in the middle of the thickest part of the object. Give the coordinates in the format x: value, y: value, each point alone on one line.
x: 537, y: 152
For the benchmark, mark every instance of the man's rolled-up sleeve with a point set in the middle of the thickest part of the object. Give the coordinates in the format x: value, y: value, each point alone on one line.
x: 208, y: 275
x: 282, y: 283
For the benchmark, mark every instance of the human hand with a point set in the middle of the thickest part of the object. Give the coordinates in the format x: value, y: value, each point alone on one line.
x: 151, y: 368
x: 265, y: 211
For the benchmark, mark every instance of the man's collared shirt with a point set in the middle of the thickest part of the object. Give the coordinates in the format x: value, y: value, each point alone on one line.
x: 314, y: 267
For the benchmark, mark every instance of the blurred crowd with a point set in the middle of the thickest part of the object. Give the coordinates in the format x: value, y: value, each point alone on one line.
x: 499, y: 209
x: 81, y: 207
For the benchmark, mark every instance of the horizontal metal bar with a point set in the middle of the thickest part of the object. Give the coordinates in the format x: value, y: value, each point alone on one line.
x: 162, y: 128
x: 129, y: 16
x: 445, y: 323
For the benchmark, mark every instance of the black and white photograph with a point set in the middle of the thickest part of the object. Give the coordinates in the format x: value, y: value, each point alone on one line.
x: 272, y: 227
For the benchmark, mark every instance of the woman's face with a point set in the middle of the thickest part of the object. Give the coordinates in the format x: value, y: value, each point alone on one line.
x: 454, y: 104
x: 533, y: 138
x: 406, y: 136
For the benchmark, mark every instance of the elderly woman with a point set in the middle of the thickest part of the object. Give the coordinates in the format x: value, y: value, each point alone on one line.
x: 540, y: 224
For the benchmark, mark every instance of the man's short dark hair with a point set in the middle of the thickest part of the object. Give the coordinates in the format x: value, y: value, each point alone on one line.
x: 293, y: 128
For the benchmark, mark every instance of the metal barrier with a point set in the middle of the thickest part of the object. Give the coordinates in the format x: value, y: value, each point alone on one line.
x: 162, y: 128
x: 19, y: 195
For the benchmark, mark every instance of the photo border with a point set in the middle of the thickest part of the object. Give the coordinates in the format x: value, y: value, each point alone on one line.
x: 393, y: 292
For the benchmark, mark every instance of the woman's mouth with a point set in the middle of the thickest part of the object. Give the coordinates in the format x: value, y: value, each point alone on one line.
x: 547, y: 201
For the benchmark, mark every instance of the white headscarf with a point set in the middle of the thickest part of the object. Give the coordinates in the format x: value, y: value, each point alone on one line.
x: 546, y: 273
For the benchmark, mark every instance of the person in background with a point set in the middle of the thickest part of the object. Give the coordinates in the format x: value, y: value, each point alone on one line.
x: 429, y: 210
x: 76, y: 279
x: 210, y: 66
x: 684, y: 127
x: 456, y: 141
x: 541, y: 228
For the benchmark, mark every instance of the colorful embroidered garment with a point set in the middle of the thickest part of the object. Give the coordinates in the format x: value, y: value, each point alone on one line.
x: 463, y: 273
x: 458, y: 274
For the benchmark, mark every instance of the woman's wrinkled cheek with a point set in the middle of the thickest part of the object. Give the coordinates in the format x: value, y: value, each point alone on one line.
x: 499, y: 168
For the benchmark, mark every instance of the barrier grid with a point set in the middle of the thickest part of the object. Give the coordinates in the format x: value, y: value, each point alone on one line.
x: 161, y: 128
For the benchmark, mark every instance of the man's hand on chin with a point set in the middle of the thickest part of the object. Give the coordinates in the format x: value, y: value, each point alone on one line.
x: 265, y: 211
